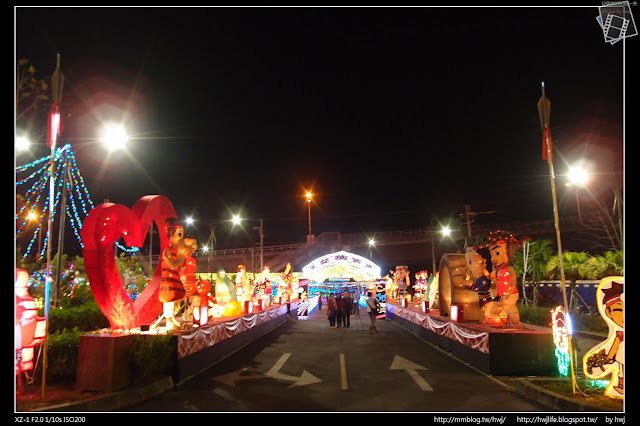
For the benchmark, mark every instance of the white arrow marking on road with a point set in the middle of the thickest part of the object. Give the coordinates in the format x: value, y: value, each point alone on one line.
x: 230, y: 379
x: 400, y: 363
x: 306, y: 378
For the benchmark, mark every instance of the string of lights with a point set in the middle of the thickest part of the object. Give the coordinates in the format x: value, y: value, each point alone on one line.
x: 78, y: 204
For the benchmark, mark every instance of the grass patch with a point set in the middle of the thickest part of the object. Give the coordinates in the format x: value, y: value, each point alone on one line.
x: 586, y: 390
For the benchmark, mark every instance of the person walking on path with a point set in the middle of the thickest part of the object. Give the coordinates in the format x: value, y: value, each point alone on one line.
x: 372, y: 310
x: 348, y: 309
x: 340, y: 312
x: 320, y: 302
x: 356, y: 304
x: 331, y: 310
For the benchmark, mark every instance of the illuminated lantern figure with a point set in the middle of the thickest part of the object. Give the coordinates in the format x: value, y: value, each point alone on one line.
x: 424, y: 285
x: 402, y: 280
x: 389, y: 285
x: 225, y: 290
x: 433, y: 289
x: 200, y: 302
x: 173, y: 257
x: 188, y: 268
x: 243, y: 292
x: 287, y: 277
x: 188, y: 272
x: 284, y: 283
x: 268, y: 285
x: 263, y: 287
x: 502, y: 246
x: 608, y: 357
x: 29, y: 327
x: 479, y: 266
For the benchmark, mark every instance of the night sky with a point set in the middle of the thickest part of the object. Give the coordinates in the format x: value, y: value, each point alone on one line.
x: 391, y: 116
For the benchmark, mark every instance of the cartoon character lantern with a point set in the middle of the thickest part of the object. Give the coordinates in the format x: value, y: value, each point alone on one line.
x: 502, y: 246
x: 173, y: 258
x: 188, y: 268
x: 200, y: 302
x: 243, y: 292
x: 402, y: 279
x: 607, y: 357
x: 479, y: 267
x: 29, y: 327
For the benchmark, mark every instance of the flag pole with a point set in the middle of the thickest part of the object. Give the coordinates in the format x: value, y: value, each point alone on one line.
x: 544, y: 107
x: 53, y: 130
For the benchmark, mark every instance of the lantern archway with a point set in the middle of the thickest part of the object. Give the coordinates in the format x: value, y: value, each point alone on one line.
x: 341, y: 265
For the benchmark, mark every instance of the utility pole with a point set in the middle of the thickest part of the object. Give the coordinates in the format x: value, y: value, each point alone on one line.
x: 469, y: 215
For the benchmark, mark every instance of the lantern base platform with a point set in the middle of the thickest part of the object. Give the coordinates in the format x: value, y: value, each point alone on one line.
x: 498, y: 351
x: 201, y: 347
x: 103, y: 362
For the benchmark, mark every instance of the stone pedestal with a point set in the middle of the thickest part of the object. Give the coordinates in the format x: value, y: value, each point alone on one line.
x: 103, y: 362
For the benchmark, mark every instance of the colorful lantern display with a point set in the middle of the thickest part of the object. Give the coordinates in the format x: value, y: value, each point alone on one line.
x: 607, y: 357
x: 105, y: 225
x: 502, y: 246
x: 30, y: 329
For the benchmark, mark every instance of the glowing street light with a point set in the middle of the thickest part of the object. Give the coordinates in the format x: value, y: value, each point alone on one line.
x: 209, y: 247
x: 22, y: 143
x: 114, y: 136
x: 578, y: 176
x: 237, y: 219
x: 372, y: 243
x: 309, y: 195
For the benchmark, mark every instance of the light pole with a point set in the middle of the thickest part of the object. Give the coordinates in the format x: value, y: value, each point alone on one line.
x: 578, y: 177
x: 261, y: 233
x: 260, y: 230
x: 309, y: 195
x: 212, y: 241
x: 372, y: 243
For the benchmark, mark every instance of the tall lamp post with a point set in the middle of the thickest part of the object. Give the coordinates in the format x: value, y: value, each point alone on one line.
x: 309, y: 195
x: 261, y: 233
x: 212, y: 241
x: 433, y: 246
x: 577, y: 177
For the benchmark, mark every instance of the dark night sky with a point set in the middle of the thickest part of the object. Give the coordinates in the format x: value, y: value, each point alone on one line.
x: 390, y: 115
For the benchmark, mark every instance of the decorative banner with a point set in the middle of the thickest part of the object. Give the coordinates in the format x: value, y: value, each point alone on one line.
x: 303, y: 299
x: 101, y: 230
x: 607, y: 357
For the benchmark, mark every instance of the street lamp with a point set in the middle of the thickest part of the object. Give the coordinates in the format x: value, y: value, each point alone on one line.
x: 578, y: 177
x: 446, y: 231
x: 212, y: 241
x: 309, y: 195
x: 260, y: 230
x: 261, y: 234
x: 372, y: 243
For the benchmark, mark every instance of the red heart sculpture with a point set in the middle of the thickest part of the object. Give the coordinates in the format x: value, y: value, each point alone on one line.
x: 102, y: 228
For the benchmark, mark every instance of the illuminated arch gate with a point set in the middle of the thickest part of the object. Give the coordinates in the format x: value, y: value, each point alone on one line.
x: 340, y: 271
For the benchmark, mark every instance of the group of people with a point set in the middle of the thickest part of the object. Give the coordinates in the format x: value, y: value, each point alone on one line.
x: 341, y: 306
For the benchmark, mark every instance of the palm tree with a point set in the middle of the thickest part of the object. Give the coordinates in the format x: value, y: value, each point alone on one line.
x: 608, y: 264
x: 576, y: 267
x: 540, y: 252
